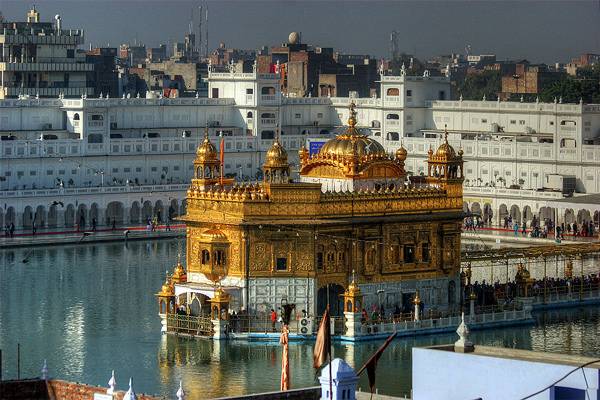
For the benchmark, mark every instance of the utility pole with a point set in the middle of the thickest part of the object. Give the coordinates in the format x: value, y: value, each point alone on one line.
x: 199, y: 45
x: 206, y: 35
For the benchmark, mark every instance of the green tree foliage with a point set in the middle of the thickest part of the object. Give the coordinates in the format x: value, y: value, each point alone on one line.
x: 475, y: 86
x: 586, y: 86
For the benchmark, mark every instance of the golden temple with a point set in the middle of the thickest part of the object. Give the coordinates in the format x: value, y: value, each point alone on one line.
x: 353, y: 208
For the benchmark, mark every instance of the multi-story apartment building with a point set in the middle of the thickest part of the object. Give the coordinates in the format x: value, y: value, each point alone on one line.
x: 41, y: 59
x: 125, y: 158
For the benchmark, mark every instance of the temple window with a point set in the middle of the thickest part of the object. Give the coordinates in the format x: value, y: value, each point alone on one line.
x: 320, y: 260
x: 205, y: 257
x: 409, y: 253
x: 370, y: 256
x: 425, y: 252
x: 393, y: 92
x: 395, y: 254
x: 281, y: 264
x: 219, y: 257
x: 392, y: 116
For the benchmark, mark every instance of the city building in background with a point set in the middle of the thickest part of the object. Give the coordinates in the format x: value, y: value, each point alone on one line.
x: 41, y: 59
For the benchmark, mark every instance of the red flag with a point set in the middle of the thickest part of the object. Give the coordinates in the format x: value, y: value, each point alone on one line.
x: 371, y: 364
x: 323, y: 342
x: 222, y: 155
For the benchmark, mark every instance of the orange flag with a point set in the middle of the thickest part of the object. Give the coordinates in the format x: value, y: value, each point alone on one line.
x: 285, y: 359
x: 323, y: 342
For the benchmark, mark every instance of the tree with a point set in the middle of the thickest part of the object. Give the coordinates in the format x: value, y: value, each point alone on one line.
x: 475, y: 86
x: 585, y: 86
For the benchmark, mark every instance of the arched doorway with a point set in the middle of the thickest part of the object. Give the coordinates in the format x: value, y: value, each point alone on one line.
x: 94, y: 213
x: 515, y: 213
x: 476, y: 209
x: 52, y: 216
x: 114, y: 213
x: 527, y: 214
x: 82, y: 218
x: 40, y: 217
x: 488, y: 213
x: 465, y: 207
x: 70, y: 215
x: 158, y: 210
x: 27, y: 217
x: 147, y: 211
x: 183, y: 208
x: 134, y: 214
x: 546, y: 213
x: 199, y: 305
x: 502, y: 213
x: 583, y: 216
x: 174, y: 209
x: 330, y: 294
x: 9, y: 217
x: 569, y: 216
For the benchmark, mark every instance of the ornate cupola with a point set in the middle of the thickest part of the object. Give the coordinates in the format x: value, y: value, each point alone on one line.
x: 352, y: 161
x: 445, y: 168
x: 276, y: 168
x: 207, y: 167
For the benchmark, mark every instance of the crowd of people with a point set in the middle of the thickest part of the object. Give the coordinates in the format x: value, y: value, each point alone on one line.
x: 487, y: 294
x: 535, y: 228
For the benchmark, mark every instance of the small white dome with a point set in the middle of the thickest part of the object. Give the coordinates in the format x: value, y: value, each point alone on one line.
x: 294, y: 38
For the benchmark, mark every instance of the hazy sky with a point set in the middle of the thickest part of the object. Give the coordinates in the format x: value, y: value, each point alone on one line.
x: 542, y: 31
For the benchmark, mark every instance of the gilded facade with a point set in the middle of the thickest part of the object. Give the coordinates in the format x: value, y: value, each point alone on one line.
x: 353, y: 210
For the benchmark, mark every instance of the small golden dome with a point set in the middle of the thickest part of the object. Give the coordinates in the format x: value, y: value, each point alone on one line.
x: 445, y: 151
x: 353, y: 290
x: 213, y: 235
x: 167, y: 288
x: 206, y: 151
x: 276, y: 156
x: 221, y: 296
x: 179, y: 274
x: 401, y: 153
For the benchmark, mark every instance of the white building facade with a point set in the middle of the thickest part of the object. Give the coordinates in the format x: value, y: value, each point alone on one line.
x: 140, y: 144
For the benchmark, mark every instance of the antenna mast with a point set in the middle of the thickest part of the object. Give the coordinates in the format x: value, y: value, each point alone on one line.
x: 199, y: 42
x: 206, y: 36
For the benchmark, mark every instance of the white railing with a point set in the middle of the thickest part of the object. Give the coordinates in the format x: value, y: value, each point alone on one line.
x: 443, y: 323
x: 512, y: 193
x: 11, y: 194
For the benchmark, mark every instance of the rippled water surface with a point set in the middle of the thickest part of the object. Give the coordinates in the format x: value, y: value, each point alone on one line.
x: 89, y: 309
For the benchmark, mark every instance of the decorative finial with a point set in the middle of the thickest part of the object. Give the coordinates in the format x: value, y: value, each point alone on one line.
x: 45, y: 371
x: 417, y: 299
x: 180, y: 393
x: 112, y: 383
x: 446, y: 133
x: 130, y: 394
x: 463, y: 344
x: 352, y: 119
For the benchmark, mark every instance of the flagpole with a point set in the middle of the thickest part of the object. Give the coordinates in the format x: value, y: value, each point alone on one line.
x: 330, y: 347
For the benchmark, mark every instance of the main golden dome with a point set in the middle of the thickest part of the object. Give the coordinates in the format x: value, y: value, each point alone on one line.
x: 352, y: 143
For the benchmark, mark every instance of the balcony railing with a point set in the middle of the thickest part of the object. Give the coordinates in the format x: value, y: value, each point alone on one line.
x: 189, y: 325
